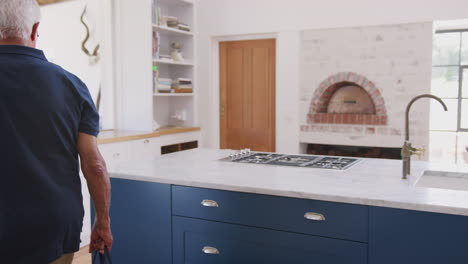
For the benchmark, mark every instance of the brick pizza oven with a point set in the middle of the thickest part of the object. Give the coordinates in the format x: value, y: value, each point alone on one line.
x: 347, y: 98
x: 355, y: 84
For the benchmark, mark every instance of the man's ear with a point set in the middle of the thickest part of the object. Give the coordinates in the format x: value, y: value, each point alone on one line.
x: 34, y: 33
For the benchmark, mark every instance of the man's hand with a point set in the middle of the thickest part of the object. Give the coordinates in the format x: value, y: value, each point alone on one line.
x: 95, y: 171
x: 101, y: 236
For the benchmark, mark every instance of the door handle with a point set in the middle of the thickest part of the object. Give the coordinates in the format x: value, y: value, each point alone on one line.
x: 314, y: 216
x: 210, y: 250
x: 222, y: 109
x: 209, y: 203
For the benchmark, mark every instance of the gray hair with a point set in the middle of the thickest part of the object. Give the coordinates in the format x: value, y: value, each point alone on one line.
x: 17, y: 18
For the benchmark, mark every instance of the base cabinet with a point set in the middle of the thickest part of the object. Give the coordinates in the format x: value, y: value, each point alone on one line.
x: 159, y: 223
x: 141, y: 222
x: 410, y: 237
x: 207, y: 242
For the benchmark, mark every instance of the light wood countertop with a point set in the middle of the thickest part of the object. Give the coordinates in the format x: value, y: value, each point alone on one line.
x: 112, y: 136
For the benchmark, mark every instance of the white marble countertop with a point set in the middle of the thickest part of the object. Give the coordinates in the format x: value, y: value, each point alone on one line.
x: 373, y: 182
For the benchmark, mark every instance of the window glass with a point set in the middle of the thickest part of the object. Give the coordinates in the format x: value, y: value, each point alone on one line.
x: 446, y: 49
x: 445, y: 81
x: 464, y: 114
x: 464, y: 54
x: 441, y: 120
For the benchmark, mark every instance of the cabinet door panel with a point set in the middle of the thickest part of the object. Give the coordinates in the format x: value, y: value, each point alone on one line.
x: 141, y: 222
x: 409, y: 237
x: 240, y: 244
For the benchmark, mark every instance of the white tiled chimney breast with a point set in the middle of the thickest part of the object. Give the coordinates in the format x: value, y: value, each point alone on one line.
x: 396, y: 58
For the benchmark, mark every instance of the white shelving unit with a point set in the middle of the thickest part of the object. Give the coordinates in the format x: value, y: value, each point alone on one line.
x: 173, y: 108
x: 138, y: 107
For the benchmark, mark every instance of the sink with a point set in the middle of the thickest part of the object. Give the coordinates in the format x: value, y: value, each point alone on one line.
x: 444, y: 180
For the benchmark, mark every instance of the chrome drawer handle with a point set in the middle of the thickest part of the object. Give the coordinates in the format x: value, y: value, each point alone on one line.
x: 314, y: 216
x: 210, y: 250
x: 209, y: 203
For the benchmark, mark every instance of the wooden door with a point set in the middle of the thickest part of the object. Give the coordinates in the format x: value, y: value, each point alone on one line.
x: 247, y: 94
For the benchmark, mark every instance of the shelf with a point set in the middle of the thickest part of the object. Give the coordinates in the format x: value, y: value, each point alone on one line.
x: 176, y: 2
x: 171, y: 31
x: 172, y: 94
x: 172, y: 62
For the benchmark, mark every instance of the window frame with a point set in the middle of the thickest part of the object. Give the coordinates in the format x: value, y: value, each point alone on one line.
x: 460, y: 98
x: 461, y: 68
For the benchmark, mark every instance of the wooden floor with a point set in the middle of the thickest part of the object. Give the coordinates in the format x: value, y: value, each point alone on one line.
x: 82, y: 257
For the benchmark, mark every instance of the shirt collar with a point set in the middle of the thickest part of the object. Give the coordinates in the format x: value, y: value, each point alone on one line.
x: 22, y: 50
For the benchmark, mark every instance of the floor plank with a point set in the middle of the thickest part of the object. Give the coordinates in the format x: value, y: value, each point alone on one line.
x: 82, y: 256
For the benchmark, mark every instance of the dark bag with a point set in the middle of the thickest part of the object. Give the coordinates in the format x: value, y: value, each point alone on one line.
x: 103, y: 258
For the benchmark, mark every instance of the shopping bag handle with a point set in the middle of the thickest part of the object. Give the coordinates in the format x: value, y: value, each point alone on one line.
x: 102, y: 257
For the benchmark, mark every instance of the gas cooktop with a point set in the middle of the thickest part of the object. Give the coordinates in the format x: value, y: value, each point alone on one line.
x: 306, y: 161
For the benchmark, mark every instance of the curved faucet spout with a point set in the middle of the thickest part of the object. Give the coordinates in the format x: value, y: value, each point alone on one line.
x: 408, y: 149
x: 409, y: 107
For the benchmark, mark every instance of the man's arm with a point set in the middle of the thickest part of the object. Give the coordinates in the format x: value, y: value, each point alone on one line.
x: 94, y: 169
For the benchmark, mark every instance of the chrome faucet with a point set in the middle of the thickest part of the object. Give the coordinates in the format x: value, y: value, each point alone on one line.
x: 408, y: 150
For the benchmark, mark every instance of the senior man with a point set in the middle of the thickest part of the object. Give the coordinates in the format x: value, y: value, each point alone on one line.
x: 48, y: 119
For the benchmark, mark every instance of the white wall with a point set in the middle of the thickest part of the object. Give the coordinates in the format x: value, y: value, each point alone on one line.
x: 238, y: 17
x: 60, y: 36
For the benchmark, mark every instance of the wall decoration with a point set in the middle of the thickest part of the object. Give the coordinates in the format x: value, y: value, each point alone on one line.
x: 94, y: 56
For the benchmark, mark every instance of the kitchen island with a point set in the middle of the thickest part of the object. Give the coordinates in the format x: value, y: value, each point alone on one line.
x: 217, y: 211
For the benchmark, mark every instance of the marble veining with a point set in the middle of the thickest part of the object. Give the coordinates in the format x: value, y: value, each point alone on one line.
x: 375, y: 182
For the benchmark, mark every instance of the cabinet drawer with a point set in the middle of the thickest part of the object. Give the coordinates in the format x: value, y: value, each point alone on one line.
x: 147, y: 148
x: 336, y: 220
x: 204, y: 242
x: 115, y: 152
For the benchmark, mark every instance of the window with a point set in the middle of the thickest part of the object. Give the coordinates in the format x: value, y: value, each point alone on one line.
x: 450, y: 77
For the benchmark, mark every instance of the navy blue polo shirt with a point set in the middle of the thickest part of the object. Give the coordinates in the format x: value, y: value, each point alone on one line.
x: 42, y: 110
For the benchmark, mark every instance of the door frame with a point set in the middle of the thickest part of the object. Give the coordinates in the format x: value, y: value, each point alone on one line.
x: 215, y: 78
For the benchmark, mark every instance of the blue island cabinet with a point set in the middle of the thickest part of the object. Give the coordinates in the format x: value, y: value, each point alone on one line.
x: 141, y: 222
x: 198, y: 241
x: 412, y: 237
x: 224, y: 227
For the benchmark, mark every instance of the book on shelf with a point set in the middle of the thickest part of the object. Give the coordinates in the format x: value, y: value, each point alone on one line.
x: 155, y: 78
x: 183, y: 80
x: 183, y: 90
x: 182, y: 86
x: 164, y: 87
x: 156, y: 44
x: 183, y: 27
x: 165, y: 91
x: 156, y: 12
x: 169, y: 80
x: 165, y: 57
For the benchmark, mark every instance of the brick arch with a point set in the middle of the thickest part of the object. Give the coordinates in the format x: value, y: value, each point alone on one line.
x: 318, y: 106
